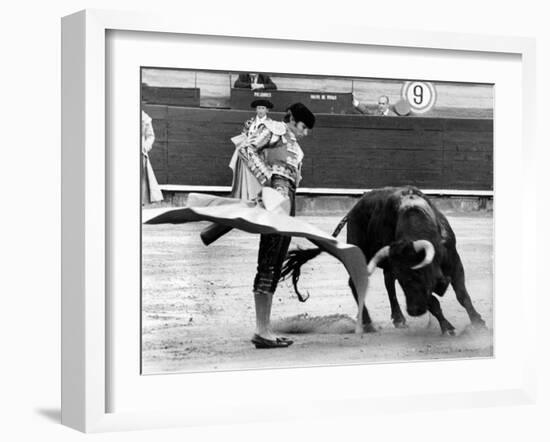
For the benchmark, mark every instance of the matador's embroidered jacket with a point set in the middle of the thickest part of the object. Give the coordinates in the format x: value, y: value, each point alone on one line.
x: 273, y: 150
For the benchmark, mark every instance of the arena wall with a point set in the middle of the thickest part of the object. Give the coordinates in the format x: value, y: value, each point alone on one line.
x: 193, y: 148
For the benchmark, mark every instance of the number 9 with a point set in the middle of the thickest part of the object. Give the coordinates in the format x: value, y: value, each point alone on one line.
x: 418, y: 92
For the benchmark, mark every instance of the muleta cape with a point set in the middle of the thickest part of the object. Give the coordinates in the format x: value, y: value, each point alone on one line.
x: 267, y: 217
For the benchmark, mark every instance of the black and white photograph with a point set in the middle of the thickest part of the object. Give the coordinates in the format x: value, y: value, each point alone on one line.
x: 300, y: 220
x: 294, y: 221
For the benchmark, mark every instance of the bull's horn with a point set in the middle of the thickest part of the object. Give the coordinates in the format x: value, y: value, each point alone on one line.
x: 383, y: 253
x: 429, y: 250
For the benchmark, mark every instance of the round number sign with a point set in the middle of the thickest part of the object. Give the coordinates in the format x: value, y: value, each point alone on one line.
x: 420, y: 95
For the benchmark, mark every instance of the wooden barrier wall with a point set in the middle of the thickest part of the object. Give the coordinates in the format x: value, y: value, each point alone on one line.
x: 193, y: 147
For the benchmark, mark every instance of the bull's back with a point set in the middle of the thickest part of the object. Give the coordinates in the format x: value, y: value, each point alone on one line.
x: 372, y: 220
x: 370, y: 224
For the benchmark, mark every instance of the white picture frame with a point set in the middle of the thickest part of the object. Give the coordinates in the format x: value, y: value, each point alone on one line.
x: 85, y: 217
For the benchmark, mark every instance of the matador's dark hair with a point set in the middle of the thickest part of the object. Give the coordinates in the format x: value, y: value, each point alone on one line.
x: 300, y: 113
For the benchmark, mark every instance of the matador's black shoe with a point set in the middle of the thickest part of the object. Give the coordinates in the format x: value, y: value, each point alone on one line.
x: 260, y: 342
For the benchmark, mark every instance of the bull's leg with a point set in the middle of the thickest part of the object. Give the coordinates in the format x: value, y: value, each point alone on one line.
x: 435, y: 309
x: 368, y: 326
x: 457, y: 281
x: 396, y: 314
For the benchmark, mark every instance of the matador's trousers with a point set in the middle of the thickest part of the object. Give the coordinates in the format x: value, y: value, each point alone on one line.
x: 273, y: 248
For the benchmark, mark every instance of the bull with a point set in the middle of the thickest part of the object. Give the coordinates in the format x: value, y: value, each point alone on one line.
x: 400, y: 231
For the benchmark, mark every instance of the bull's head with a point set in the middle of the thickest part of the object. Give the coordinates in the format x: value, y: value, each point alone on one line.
x: 411, y: 262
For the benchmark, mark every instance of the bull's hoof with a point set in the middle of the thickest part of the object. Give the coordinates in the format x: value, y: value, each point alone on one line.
x: 479, y: 324
x: 365, y: 328
x: 476, y: 328
x: 370, y: 328
x: 400, y: 323
x: 447, y: 328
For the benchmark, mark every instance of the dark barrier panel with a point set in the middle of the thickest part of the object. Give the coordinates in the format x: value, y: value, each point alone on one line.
x: 323, y: 102
x: 172, y: 96
x: 193, y: 147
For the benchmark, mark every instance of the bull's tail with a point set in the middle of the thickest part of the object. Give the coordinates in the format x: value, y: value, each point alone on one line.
x: 340, y: 226
x: 295, y: 259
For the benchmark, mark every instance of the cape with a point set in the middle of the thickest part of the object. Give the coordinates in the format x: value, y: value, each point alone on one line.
x: 256, y: 218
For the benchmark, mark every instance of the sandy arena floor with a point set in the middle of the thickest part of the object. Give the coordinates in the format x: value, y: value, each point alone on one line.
x: 198, y: 312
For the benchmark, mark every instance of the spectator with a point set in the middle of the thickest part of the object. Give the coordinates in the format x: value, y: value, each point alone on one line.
x: 383, y: 108
x: 255, y: 81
